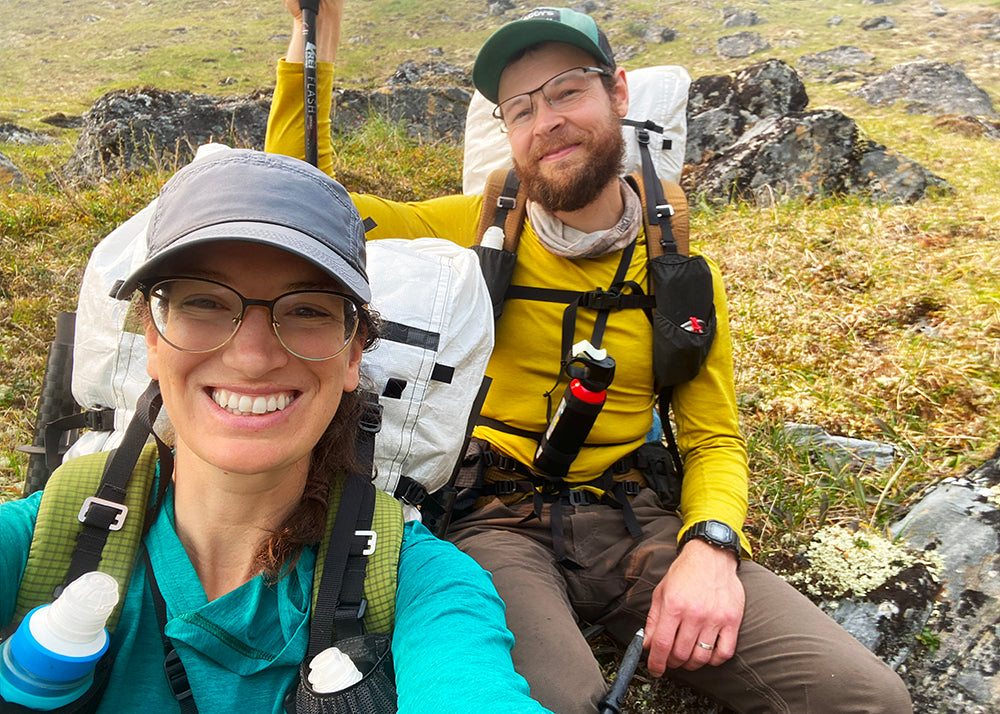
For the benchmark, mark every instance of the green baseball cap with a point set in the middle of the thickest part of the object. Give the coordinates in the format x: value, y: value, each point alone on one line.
x: 544, y: 24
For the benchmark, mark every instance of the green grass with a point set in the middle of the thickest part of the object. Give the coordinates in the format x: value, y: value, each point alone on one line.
x: 871, y: 321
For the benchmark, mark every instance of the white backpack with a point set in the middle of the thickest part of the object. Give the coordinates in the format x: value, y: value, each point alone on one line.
x: 427, y: 368
x: 657, y: 94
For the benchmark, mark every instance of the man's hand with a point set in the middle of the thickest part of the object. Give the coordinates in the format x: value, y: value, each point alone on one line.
x: 699, y: 600
x: 327, y: 30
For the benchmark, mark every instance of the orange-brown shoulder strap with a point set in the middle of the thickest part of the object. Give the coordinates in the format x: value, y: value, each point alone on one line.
x: 504, y: 206
x: 677, y: 214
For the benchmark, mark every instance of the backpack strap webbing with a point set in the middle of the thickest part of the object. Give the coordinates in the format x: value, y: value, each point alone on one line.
x: 57, y: 528
x: 503, y: 207
x: 672, y: 224
x: 380, y: 578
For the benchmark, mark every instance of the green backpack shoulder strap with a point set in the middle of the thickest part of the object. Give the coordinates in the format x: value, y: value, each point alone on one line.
x: 383, y: 564
x: 57, y: 527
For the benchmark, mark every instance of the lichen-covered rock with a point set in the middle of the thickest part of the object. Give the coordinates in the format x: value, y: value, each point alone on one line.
x: 928, y: 87
x: 127, y: 130
x: 742, y: 44
x: 429, y: 112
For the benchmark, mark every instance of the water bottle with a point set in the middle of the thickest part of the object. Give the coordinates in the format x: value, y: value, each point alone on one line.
x: 591, y: 371
x: 49, y: 661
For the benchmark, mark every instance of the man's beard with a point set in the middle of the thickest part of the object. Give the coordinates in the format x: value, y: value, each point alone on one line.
x: 573, y: 190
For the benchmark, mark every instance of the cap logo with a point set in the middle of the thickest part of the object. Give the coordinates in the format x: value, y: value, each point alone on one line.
x: 543, y: 13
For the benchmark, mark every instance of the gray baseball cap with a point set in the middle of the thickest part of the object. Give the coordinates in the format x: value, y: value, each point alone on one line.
x: 544, y: 24
x: 244, y: 195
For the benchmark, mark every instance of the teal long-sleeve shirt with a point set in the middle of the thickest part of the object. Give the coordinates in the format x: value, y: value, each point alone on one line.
x: 451, y: 648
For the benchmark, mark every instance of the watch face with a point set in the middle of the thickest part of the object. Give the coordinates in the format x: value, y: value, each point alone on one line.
x: 719, y: 532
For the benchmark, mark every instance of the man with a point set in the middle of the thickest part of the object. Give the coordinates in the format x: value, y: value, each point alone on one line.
x: 729, y: 628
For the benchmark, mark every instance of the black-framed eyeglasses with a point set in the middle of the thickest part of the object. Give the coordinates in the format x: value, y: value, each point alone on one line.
x: 198, y: 315
x: 560, y: 92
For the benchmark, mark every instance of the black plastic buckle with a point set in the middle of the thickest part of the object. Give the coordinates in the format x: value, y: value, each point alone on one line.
x: 100, y: 419
x: 413, y: 493
x: 632, y: 488
x: 578, y: 497
x: 642, y: 135
x: 507, y: 487
x: 176, y: 676
x: 601, y: 300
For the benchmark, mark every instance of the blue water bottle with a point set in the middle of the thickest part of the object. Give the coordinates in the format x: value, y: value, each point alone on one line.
x: 49, y: 661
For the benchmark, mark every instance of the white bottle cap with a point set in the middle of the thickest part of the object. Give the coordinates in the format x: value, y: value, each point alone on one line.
x: 493, y: 238
x: 332, y: 670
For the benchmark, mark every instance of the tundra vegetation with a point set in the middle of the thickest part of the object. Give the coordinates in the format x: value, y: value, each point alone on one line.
x: 872, y: 321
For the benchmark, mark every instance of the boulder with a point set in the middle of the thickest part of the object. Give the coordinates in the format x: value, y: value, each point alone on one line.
x: 715, y: 118
x: 825, y: 63
x: 928, y: 87
x: 738, y: 17
x: 11, y: 133
x: 882, y: 22
x: 893, y: 178
x: 959, y: 521
x: 10, y: 175
x: 809, y: 154
x: 429, y: 112
x: 742, y: 44
x: 770, y: 88
x: 127, y: 130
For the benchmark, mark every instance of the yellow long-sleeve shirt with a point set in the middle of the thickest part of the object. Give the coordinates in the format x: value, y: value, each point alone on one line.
x: 526, y: 358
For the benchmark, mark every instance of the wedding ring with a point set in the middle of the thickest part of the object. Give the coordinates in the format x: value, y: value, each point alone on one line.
x: 706, y: 646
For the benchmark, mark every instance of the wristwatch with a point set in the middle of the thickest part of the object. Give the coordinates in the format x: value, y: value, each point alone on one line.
x: 714, y: 533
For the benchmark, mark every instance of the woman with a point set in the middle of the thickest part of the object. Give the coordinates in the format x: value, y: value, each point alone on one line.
x: 254, y: 295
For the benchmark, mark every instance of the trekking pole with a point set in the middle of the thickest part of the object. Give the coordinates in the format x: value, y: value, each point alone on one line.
x: 611, y: 704
x: 309, y: 9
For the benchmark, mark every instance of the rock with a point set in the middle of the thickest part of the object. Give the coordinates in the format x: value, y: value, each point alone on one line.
x: 882, y: 22
x: 959, y: 521
x: 877, y: 2
x: 841, y: 452
x: 588, y: 6
x: 968, y: 125
x: 11, y: 133
x: 834, y: 21
x: 714, y: 117
x: 770, y: 88
x: 742, y: 44
x: 928, y: 87
x: 893, y: 178
x: 127, y: 130
x: 63, y: 121
x: 433, y: 72
x: 807, y: 154
x: 659, y: 35
x: 937, y: 9
x: 10, y: 175
x: 736, y: 17
x: 428, y: 112
x: 497, y: 9
x: 825, y: 63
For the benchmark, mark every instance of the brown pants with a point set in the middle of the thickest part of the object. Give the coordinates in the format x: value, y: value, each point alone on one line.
x: 790, y: 656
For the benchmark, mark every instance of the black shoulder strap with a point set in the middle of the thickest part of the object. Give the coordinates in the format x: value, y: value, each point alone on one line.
x: 105, y: 511
x: 341, y: 604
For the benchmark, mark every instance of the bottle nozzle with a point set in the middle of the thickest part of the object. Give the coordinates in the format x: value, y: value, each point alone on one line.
x: 81, y: 612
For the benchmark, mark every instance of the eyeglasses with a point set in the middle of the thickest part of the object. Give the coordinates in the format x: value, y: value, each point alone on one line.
x: 560, y: 92
x: 195, y: 315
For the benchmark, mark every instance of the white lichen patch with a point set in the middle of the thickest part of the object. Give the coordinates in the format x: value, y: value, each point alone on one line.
x: 993, y: 495
x: 842, y: 561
